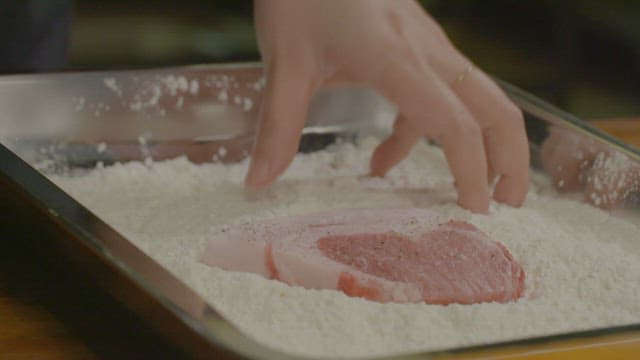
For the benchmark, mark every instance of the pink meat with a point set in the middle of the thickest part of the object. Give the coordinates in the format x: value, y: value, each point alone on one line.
x: 385, y: 255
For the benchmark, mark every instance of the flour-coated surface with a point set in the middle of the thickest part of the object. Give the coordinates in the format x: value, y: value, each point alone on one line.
x: 582, y: 264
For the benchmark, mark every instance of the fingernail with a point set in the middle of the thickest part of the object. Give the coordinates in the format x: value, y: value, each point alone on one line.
x: 510, y: 192
x: 258, y: 173
x: 475, y: 201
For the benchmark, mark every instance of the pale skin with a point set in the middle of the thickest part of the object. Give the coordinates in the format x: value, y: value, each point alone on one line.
x: 396, y: 48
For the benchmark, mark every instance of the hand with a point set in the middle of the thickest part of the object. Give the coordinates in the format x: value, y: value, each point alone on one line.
x: 399, y: 50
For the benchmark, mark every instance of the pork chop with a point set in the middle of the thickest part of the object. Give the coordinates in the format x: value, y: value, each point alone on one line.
x: 384, y: 255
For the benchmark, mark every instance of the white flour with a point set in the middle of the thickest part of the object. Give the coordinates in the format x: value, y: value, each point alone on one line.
x: 582, y: 265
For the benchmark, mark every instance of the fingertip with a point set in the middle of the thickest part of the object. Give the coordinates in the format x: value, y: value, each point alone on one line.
x: 377, y: 172
x: 477, y: 202
x: 267, y: 166
x: 379, y: 166
x: 466, y: 158
x: 259, y: 174
x: 511, y: 190
x: 394, y: 149
x: 283, y: 113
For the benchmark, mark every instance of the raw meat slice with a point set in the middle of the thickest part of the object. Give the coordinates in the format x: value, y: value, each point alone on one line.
x: 385, y: 255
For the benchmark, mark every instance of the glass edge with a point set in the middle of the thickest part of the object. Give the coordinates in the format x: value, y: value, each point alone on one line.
x: 108, y: 72
x: 543, y: 110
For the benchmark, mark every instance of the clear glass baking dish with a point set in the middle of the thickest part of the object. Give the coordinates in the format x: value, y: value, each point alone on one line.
x: 75, y: 121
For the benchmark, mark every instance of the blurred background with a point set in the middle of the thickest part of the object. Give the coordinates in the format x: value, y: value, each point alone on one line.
x: 583, y: 56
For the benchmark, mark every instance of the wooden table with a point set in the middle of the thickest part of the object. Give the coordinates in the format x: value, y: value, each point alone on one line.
x: 50, y: 312
x: 628, y: 130
x: 49, y: 309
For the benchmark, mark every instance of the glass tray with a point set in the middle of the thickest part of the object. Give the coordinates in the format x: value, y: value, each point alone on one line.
x: 59, y: 123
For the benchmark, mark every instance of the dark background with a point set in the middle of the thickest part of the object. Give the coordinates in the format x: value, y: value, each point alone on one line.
x: 580, y: 55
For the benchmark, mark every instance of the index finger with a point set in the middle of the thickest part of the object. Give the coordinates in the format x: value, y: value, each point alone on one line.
x: 282, y: 116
